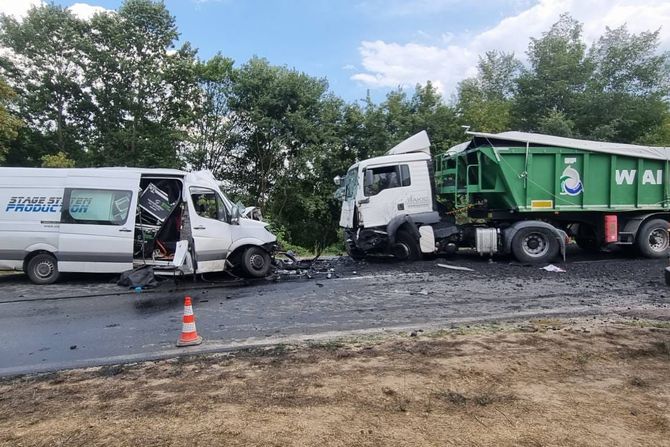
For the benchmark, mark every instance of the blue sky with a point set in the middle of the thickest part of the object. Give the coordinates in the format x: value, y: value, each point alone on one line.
x: 381, y: 44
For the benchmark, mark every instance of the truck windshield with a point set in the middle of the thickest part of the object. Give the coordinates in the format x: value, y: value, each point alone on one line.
x: 350, y: 183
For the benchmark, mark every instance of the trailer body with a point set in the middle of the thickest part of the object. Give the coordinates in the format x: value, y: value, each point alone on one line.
x: 519, y: 192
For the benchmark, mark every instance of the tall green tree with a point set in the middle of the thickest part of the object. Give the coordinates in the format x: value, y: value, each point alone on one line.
x: 485, y: 102
x: 557, y: 77
x: 626, y: 95
x: 9, y: 122
x: 212, y: 136
x: 144, y: 87
x: 45, y: 64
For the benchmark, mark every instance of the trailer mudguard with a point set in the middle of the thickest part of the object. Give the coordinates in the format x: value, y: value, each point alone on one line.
x: 511, y: 231
x: 634, y: 223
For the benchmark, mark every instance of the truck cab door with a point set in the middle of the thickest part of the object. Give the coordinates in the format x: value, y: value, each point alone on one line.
x: 97, y: 224
x: 349, y: 198
x: 210, y: 225
x: 385, y: 193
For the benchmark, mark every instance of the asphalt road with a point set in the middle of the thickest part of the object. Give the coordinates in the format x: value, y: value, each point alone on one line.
x: 88, y: 320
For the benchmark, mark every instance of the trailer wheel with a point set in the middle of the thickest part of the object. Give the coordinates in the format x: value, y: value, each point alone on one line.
x: 535, y: 245
x: 653, y: 240
x: 406, y: 248
x: 43, y: 269
x: 256, y: 262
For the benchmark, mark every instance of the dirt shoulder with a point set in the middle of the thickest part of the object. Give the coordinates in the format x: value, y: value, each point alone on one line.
x: 546, y: 382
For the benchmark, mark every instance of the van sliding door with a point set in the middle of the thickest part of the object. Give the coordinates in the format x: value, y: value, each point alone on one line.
x: 97, y: 224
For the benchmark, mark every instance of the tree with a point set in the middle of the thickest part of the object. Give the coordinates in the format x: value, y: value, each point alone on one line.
x: 485, y: 102
x: 9, y: 123
x: 557, y: 77
x: 626, y: 96
x: 143, y: 88
x: 44, y: 65
x: 212, y: 132
x: 59, y: 160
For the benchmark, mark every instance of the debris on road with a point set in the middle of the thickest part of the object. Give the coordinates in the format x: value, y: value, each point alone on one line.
x: 455, y: 267
x: 552, y: 268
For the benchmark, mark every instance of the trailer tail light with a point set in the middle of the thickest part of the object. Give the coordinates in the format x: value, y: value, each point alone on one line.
x: 611, y: 229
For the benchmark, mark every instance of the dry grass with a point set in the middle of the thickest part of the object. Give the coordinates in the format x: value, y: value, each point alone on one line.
x: 560, y: 385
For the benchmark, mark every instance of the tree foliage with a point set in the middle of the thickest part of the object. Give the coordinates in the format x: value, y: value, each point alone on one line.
x: 117, y: 90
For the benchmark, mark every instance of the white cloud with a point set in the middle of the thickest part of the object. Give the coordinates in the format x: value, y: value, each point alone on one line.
x: 349, y: 67
x: 392, y: 64
x: 18, y: 8
x: 85, y: 11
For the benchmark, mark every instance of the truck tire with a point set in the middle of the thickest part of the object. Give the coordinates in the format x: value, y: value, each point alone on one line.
x: 652, y: 239
x: 256, y: 262
x: 406, y: 247
x: 535, y: 245
x: 43, y: 269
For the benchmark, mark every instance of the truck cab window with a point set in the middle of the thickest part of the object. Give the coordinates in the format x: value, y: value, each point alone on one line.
x: 385, y: 177
x: 208, y: 204
x: 96, y: 206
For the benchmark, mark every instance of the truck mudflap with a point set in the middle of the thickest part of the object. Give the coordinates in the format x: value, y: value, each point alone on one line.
x: 509, y: 232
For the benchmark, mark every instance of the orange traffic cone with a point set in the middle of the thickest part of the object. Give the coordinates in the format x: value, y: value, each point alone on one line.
x: 189, y: 336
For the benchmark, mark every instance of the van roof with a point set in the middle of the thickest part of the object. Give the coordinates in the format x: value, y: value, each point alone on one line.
x: 85, y: 172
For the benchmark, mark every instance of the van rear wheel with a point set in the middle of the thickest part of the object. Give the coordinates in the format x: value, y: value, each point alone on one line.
x: 256, y: 262
x: 43, y: 269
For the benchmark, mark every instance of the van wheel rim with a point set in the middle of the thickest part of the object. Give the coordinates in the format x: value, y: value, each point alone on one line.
x: 44, y: 269
x: 257, y: 262
x: 658, y: 240
x: 535, y: 245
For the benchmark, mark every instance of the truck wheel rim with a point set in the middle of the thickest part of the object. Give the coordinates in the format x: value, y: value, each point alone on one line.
x: 257, y: 262
x: 658, y: 239
x: 44, y: 269
x: 535, y: 245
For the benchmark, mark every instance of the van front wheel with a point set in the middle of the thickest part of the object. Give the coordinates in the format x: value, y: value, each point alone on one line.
x: 43, y: 269
x: 256, y: 262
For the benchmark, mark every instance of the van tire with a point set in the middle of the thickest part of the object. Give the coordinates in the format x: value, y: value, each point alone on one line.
x: 660, y: 245
x: 43, y: 269
x: 535, y: 245
x: 256, y: 262
x: 406, y: 248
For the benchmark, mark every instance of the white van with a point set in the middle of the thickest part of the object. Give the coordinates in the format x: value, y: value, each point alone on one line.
x: 109, y: 220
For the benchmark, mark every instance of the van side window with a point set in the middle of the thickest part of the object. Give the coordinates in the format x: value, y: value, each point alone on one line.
x: 386, y: 177
x: 208, y: 203
x: 96, y: 206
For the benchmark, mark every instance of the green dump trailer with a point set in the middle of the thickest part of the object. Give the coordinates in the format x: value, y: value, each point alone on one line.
x: 511, y: 192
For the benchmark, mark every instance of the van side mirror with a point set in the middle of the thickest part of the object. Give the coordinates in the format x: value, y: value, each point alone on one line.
x: 338, y: 181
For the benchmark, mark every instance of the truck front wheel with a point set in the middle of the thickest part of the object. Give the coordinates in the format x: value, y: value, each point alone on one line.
x: 535, y: 245
x: 406, y: 247
x: 43, y: 269
x: 256, y: 262
x: 652, y: 239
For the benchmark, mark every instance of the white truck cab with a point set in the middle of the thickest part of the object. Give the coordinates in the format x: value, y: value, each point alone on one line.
x: 109, y: 220
x: 381, y: 195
